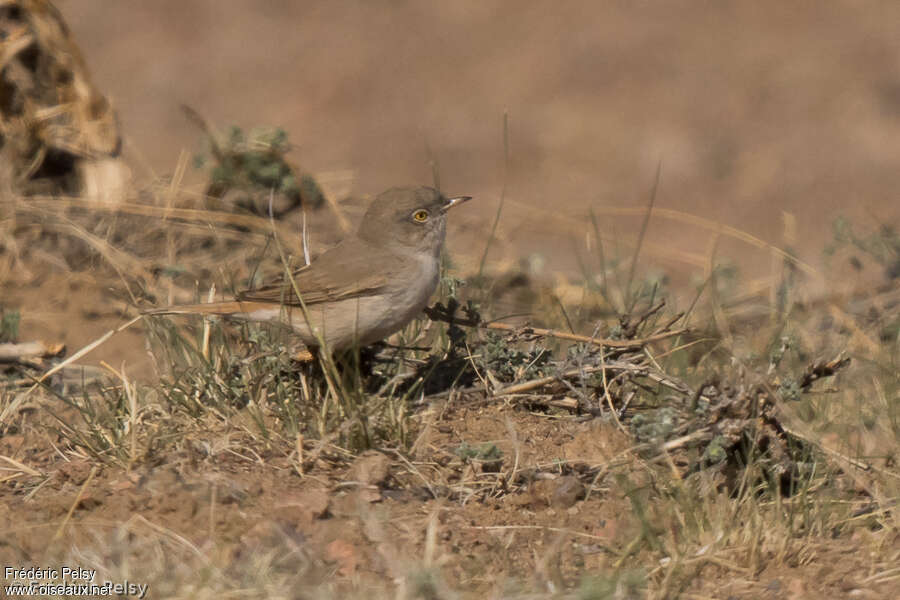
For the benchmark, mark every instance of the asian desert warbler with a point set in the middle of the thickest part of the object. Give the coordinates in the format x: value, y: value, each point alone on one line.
x: 364, y: 289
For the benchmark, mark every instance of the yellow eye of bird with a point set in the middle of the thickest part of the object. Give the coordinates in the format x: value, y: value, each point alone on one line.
x: 420, y: 216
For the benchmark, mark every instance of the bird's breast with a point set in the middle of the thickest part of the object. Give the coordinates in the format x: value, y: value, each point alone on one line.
x: 403, y: 300
x: 368, y: 319
x: 409, y: 292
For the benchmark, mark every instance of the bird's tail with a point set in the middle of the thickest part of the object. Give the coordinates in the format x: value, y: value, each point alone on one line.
x: 232, y: 308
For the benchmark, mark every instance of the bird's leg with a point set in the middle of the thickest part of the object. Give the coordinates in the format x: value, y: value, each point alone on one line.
x: 305, y: 355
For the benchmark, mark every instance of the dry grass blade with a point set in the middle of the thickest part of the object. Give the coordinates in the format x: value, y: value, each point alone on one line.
x: 336, y: 210
x: 13, y: 406
x: 496, y: 221
x: 21, y: 466
x: 629, y: 302
x: 663, y: 251
x: 256, y: 224
x: 74, y: 505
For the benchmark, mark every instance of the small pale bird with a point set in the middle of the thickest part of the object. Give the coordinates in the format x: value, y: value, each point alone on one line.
x: 362, y: 290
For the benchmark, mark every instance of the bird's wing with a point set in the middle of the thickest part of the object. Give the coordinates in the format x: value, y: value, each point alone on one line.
x: 344, y: 272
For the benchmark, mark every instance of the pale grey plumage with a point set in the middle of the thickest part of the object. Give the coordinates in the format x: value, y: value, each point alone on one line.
x: 365, y: 288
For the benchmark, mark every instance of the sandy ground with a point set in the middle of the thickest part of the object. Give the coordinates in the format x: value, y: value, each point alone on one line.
x: 752, y: 109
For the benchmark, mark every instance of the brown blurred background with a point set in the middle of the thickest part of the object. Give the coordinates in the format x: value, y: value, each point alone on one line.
x: 753, y: 108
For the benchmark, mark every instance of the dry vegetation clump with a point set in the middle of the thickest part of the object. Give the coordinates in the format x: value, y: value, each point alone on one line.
x: 250, y: 171
x: 58, y: 134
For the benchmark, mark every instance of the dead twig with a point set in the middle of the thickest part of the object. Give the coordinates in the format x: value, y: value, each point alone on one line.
x: 640, y: 370
x: 437, y: 313
x: 23, y: 350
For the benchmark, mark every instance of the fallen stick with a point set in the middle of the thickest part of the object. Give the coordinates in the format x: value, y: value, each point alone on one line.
x: 13, y: 406
x: 16, y: 352
x: 635, y: 343
x: 567, y: 403
x: 526, y: 386
x: 436, y: 314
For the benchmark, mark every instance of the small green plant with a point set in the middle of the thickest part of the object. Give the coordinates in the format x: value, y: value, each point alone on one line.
x: 486, y: 451
x: 511, y: 363
x: 622, y: 584
x: 882, y: 246
x: 654, y: 426
x: 9, y: 325
x: 256, y: 164
x: 256, y: 160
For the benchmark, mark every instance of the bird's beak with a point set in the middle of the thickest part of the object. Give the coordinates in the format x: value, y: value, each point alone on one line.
x: 451, y: 202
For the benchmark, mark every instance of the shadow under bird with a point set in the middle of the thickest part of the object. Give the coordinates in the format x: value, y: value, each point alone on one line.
x: 364, y: 289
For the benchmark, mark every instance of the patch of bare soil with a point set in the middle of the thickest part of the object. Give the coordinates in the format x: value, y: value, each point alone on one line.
x: 76, y: 312
x: 370, y: 519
